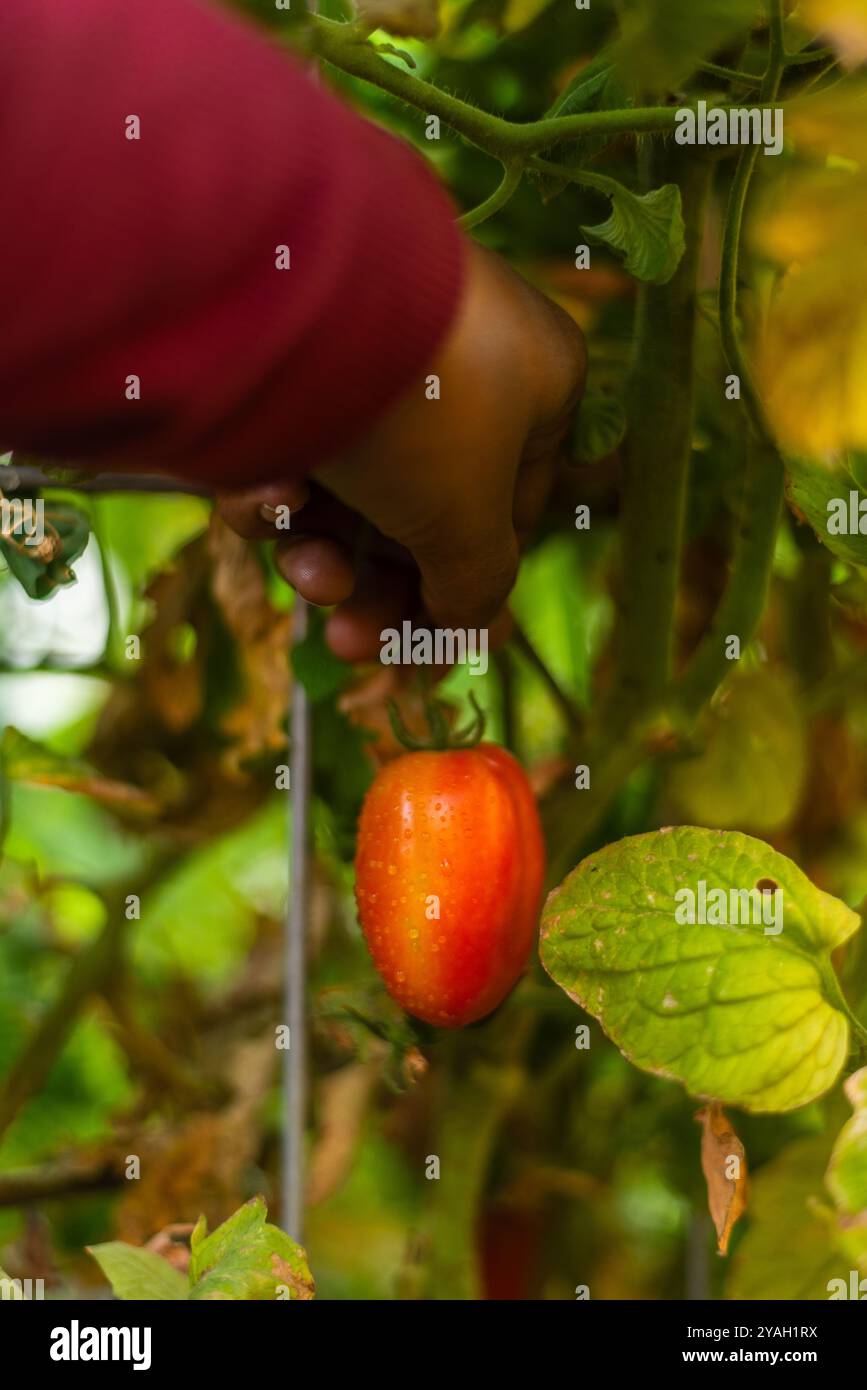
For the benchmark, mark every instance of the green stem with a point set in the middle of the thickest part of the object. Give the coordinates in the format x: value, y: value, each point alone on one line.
x: 508, y: 710
x: 508, y: 185
x: 114, y: 636
x: 571, y: 715
x: 728, y: 290
x: 743, y: 602
x: 656, y: 456
x: 341, y: 45
x: 743, y: 79
x: 730, y: 258
x: 817, y: 77
x: 741, y: 607
x: 810, y: 55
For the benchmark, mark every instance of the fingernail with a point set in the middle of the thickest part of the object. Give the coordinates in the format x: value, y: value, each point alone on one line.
x: 267, y: 512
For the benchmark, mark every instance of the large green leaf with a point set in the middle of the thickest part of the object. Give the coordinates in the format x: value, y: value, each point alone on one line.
x: 247, y: 1258
x: 753, y: 1019
x: 135, y: 1273
x: 647, y: 227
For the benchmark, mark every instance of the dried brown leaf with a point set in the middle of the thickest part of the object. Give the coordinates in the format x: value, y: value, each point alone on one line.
x: 724, y: 1164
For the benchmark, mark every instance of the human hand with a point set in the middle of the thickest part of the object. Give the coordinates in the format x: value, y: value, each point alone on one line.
x: 449, y: 488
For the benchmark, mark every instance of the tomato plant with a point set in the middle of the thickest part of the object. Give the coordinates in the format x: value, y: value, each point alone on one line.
x: 684, y: 691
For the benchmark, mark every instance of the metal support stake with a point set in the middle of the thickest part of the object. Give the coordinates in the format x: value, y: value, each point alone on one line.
x: 294, y: 1081
x: 295, y: 952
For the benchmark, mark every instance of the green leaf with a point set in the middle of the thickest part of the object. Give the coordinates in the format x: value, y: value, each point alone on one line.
x: 812, y: 485
x: 599, y: 427
x: 663, y: 41
x: 846, y: 1179
x: 736, y: 1015
x: 25, y: 760
x: 135, y: 1273
x: 788, y: 1251
x: 647, y: 228
x: 317, y: 668
x: 597, y: 87
x: 586, y: 91
x: 751, y: 770
x: 246, y: 1258
x: 42, y: 569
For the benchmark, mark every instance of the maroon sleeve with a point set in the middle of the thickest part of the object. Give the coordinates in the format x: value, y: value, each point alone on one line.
x: 157, y: 258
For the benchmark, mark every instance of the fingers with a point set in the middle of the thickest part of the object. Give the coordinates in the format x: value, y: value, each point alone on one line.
x: 256, y: 512
x: 383, y: 596
x: 319, y: 569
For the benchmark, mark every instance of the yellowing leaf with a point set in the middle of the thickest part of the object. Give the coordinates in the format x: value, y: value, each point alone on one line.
x: 833, y: 122
x: 736, y: 1015
x: 846, y: 1178
x: 816, y: 213
x: 812, y: 363
x: 751, y: 770
x: 724, y: 1164
x: 843, y: 23
x: 138, y: 1274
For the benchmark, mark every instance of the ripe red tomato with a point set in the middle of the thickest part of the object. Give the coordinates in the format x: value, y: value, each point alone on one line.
x: 448, y: 880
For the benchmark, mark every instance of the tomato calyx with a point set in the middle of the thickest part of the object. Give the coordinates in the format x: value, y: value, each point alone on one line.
x: 442, y: 738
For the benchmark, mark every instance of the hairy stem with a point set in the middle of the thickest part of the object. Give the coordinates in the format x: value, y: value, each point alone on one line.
x: 508, y: 185
x: 342, y: 46
x: 741, y: 79
x: 743, y: 602
x: 656, y: 456
x: 733, y: 230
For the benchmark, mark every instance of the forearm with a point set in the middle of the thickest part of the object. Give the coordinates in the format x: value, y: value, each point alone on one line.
x: 156, y: 260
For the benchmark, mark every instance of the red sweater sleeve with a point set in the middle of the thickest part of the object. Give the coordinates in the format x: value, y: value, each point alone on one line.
x: 157, y: 258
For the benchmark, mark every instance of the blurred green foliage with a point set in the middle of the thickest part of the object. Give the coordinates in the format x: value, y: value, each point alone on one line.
x: 161, y: 789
